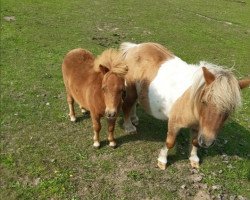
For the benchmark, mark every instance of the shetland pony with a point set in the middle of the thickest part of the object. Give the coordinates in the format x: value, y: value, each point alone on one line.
x: 199, y: 97
x: 97, y: 85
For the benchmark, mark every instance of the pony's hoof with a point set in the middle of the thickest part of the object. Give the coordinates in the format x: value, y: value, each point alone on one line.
x: 135, y: 121
x: 83, y: 111
x: 130, y: 130
x: 195, y: 165
x: 161, y: 165
x: 96, y: 144
x: 112, y: 144
x: 72, y: 118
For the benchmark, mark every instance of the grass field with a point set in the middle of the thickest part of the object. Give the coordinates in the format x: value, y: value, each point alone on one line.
x: 45, y: 156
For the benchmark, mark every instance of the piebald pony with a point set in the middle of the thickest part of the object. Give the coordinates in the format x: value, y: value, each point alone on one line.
x: 199, y: 97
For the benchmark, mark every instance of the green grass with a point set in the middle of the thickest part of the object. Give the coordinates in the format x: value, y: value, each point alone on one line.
x: 44, y: 156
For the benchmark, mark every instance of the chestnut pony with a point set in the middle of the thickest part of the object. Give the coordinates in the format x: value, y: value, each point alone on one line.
x: 199, y: 97
x: 97, y: 85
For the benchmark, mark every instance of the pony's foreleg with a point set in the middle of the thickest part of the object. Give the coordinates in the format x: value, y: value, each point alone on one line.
x: 111, y: 128
x: 162, y: 158
x: 170, y: 142
x: 194, y: 159
x: 97, y: 127
x: 70, y: 101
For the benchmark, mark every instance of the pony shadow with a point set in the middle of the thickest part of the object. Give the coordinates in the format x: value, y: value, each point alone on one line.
x: 149, y: 129
x: 233, y: 139
x: 82, y: 117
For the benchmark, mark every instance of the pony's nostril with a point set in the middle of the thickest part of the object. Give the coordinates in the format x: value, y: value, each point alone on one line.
x: 110, y: 114
x: 203, y: 142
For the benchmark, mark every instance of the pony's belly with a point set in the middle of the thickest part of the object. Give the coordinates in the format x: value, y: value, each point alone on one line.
x: 159, y: 105
x: 80, y: 94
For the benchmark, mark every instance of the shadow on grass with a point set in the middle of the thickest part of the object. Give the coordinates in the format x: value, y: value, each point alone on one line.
x: 233, y: 139
x: 82, y: 117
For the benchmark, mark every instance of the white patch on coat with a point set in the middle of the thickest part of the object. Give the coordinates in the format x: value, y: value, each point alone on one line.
x: 193, y: 155
x: 112, y: 144
x: 173, y: 78
x: 83, y: 110
x: 163, y: 155
x: 96, y: 144
x: 72, y: 118
x: 125, y: 46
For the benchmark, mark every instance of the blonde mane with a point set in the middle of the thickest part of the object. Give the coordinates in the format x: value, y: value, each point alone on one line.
x: 113, y: 60
x: 224, y: 91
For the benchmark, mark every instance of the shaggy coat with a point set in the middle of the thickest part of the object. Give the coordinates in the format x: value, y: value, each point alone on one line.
x: 96, y: 85
x: 199, y: 97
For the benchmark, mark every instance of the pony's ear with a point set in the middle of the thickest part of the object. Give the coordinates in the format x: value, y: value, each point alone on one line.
x: 244, y: 83
x: 103, y: 69
x: 209, y: 77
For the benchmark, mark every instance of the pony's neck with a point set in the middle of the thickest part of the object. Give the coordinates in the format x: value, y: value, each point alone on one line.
x: 185, y: 108
x: 185, y: 111
x: 187, y: 105
x: 96, y: 92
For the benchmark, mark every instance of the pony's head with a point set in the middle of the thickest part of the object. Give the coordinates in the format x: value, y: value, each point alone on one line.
x: 110, y: 64
x: 217, y: 95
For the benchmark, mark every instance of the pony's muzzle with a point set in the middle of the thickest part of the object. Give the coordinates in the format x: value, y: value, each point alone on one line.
x: 110, y: 114
x: 205, y: 142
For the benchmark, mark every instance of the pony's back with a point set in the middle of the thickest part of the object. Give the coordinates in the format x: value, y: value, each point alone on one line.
x: 77, y: 70
x: 78, y: 58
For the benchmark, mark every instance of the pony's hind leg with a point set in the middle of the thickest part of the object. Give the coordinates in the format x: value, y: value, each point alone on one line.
x: 97, y: 127
x: 111, y: 128
x: 127, y: 107
x: 70, y: 101
x: 134, y: 118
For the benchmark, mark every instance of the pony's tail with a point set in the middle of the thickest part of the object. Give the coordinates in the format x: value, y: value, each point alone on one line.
x: 126, y: 46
